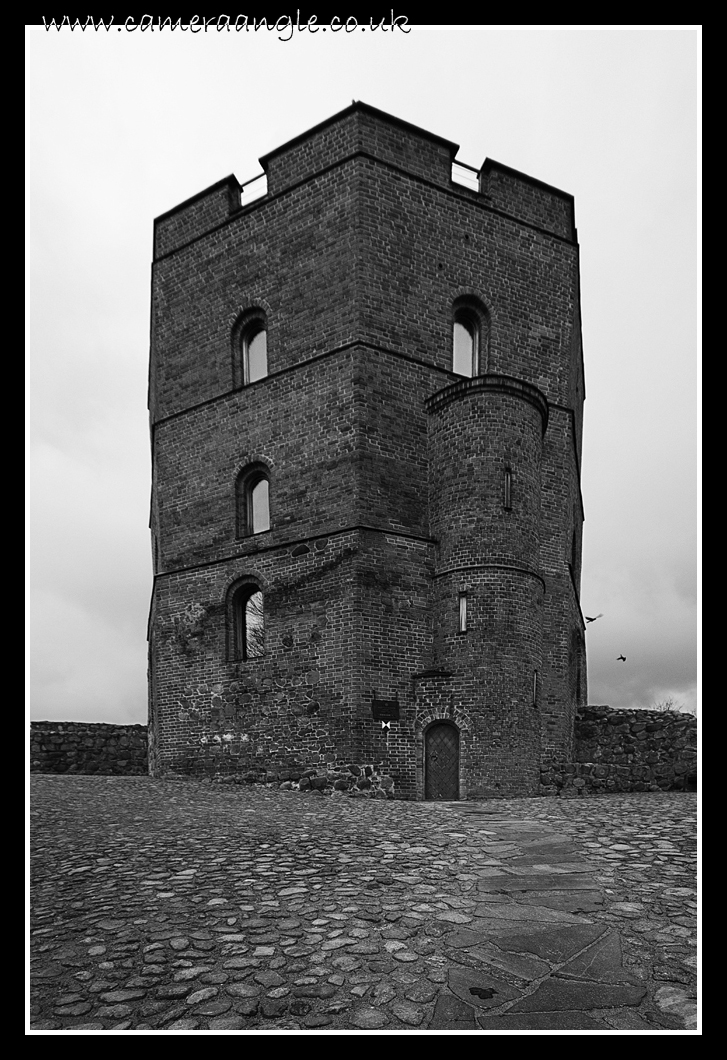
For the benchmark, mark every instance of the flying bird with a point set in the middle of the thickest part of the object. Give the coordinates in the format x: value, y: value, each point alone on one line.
x: 594, y: 617
x: 621, y: 658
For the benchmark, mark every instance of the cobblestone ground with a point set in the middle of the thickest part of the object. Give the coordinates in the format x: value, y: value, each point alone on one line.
x: 179, y: 904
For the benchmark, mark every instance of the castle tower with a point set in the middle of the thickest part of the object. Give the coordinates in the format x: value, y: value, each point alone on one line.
x: 366, y: 393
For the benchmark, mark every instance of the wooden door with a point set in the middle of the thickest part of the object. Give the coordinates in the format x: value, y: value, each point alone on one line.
x: 441, y: 762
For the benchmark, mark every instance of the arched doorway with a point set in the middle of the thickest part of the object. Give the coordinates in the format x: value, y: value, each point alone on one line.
x: 441, y: 761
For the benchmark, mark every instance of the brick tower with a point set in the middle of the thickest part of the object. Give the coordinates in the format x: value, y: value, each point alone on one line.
x: 366, y: 394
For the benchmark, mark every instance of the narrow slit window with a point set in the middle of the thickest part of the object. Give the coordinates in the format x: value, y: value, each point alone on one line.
x: 507, y: 489
x: 535, y: 688
x: 463, y: 612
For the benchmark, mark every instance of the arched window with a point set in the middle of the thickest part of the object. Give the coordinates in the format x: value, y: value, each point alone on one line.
x: 255, y: 350
x: 253, y: 501
x: 248, y: 623
x: 250, y: 348
x: 470, y: 336
x: 464, y: 344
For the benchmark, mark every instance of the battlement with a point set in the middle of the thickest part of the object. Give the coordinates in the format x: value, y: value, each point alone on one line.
x: 361, y: 131
x: 197, y: 215
x: 528, y: 199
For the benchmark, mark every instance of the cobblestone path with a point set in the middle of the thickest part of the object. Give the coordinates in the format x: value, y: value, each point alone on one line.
x: 178, y: 904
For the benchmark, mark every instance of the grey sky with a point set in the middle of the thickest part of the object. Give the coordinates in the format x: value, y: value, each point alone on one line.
x: 123, y: 126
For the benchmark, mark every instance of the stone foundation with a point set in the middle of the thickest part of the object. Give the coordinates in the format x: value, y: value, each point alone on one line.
x: 627, y: 750
x: 614, y: 751
x: 77, y: 747
x: 362, y: 782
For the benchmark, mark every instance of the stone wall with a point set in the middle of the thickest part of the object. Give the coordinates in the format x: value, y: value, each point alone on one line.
x: 614, y: 750
x: 77, y: 747
x: 628, y: 750
x: 327, y: 778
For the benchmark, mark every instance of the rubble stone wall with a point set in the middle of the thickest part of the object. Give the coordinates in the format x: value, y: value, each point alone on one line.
x: 77, y: 747
x: 629, y: 750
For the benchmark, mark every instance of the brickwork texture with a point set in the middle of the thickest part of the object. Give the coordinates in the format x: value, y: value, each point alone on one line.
x: 401, y: 495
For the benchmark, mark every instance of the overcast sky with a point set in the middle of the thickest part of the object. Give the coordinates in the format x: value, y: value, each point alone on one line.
x: 122, y: 126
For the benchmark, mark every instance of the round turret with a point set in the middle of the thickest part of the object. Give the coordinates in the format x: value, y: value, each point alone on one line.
x: 485, y: 437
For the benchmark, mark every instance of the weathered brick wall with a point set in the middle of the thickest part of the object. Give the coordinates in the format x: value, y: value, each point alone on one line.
x: 629, y: 750
x: 478, y: 428
x: 357, y: 255
x: 293, y: 256
x: 422, y: 246
x: 78, y: 747
x: 481, y: 431
x: 198, y: 457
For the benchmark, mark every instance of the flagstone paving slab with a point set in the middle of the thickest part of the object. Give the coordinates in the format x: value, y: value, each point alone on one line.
x: 555, y: 944
x: 555, y: 994
x: 451, y: 1013
x: 567, y: 902
x: 602, y: 961
x: 518, y: 966
x: 177, y: 904
x: 543, y: 1021
x: 479, y: 988
x: 539, y: 913
x: 535, y: 881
